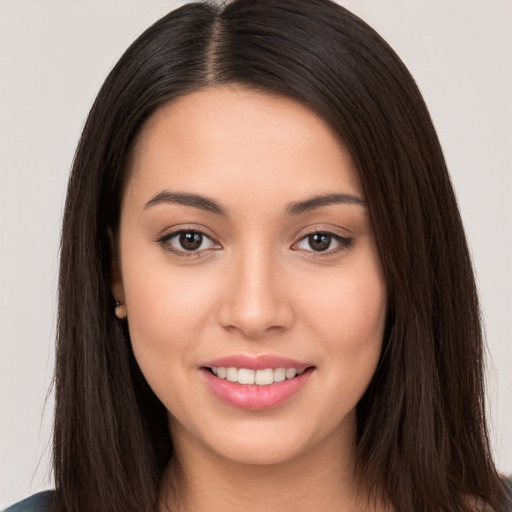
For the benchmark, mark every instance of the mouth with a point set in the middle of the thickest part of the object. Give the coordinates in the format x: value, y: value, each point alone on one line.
x: 268, y: 384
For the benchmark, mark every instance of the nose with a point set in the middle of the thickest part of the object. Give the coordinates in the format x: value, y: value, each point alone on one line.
x: 255, y: 296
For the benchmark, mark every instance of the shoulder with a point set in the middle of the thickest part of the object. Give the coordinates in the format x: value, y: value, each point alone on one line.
x: 37, y: 503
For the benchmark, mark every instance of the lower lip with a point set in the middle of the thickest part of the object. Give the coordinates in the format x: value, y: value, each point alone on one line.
x: 253, y: 397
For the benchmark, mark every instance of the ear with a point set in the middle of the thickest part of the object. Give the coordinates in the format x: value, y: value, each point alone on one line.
x: 116, y: 277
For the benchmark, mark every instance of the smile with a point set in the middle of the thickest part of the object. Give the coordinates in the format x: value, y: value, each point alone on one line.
x: 255, y: 389
x: 264, y: 377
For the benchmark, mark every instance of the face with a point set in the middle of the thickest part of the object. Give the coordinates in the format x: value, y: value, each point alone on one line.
x: 253, y: 289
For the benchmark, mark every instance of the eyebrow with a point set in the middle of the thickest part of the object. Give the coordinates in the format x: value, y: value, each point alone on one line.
x: 323, y: 200
x: 197, y: 201
x: 209, y: 205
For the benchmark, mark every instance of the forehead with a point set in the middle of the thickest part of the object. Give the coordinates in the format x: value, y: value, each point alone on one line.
x: 233, y: 141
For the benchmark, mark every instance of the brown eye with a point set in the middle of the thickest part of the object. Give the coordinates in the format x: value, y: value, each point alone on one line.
x: 323, y: 242
x: 190, y: 240
x: 187, y: 242
x: 319, y: 241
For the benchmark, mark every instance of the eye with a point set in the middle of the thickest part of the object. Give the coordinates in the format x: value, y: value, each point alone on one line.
x: 187, y: 241
x: 323, y: 242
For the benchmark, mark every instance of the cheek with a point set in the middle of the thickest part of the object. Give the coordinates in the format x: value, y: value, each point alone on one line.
x: 350, y: 308
x: 167, y: 312
x: 164, y: 306
x: 346, y: 317
x: 167, y: 305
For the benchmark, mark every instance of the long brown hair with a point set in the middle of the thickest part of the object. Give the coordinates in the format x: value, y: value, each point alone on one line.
x: 422, y: 438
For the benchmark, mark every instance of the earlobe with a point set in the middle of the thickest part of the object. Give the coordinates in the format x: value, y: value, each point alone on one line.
x: 118, y: 289
x: 116, y: 278
x: 120, y: 310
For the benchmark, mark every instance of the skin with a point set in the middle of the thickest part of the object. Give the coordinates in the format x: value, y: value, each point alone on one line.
x: 254, y: 287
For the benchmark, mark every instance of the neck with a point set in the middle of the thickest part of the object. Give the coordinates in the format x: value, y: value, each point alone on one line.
x: 321, y: 479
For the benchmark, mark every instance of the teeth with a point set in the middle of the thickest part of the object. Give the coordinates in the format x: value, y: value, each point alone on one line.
x: 265, y: 377
x: 232, y: 374
x: 246, y: 376
x: 259, y: 377
x: 290, y: 373
x: 279, y: 374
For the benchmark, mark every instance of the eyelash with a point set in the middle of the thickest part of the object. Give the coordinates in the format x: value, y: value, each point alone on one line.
x: 344, y: 243
x: 165, y: 240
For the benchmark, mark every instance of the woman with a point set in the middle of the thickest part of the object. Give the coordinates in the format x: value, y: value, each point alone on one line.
x: 226, y: 339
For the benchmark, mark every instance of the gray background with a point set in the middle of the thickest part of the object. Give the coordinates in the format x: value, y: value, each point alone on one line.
x: 53, y: 57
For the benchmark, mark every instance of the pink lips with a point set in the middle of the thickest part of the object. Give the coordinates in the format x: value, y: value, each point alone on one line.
x: 256, y: 362
x: 255, y: 397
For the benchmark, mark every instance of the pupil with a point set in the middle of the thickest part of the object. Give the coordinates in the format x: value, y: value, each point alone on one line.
x: 191, y: 241
x: 319, y: 241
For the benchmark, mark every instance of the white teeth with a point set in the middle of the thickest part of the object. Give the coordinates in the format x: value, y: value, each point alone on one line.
x: 264, y: 377
x: 232, y: 374
x: 290, y: 373
x: 246, y: 376
x: 259, y: 377
x: 279, y: 374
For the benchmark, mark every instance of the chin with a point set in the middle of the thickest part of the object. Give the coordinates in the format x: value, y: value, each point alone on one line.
x: 259, y: 454
x: 261, y: 443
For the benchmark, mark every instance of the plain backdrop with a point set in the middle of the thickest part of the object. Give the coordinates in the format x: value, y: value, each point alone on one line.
x: 54, y: 55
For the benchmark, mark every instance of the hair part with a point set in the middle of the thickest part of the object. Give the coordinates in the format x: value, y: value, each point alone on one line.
x: 422, y: 438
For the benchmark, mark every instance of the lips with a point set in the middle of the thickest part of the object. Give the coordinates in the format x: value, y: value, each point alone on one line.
x: 255, y: 383
x: 256, y: 362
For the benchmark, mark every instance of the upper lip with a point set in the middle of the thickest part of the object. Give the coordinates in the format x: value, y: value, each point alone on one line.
x: 260, y: 362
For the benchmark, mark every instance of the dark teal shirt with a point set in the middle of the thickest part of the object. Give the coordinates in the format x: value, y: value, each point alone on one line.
x: 36, y: 503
